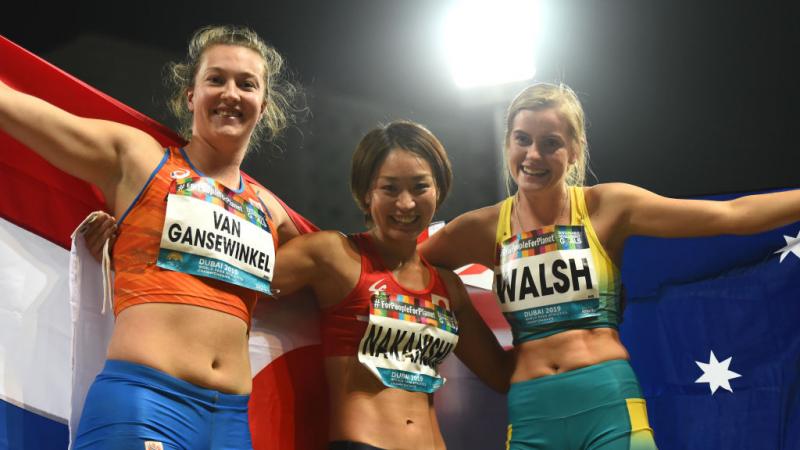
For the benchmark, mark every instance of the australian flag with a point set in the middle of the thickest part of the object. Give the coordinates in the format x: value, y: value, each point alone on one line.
x: 713, y: 328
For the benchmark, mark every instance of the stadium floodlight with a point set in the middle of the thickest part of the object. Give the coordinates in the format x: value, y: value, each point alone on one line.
x: 491, y: 42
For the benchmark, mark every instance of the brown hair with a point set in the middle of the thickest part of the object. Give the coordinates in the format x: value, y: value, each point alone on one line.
x: 278, y: 93
x: 559, y: 96
x: 376, y: 145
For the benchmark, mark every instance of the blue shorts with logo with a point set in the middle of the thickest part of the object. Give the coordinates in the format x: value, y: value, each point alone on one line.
x: 134, y: 407
x: 599, y: 407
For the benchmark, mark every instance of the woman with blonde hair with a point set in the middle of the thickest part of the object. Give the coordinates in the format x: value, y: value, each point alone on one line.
x: 195, y: 247
x: 556, y: 248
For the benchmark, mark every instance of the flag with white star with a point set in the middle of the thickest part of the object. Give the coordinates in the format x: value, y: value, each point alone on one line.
x: 713, y: 328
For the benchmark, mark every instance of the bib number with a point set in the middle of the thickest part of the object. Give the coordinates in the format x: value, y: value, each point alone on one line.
x: 406, y: 339
x: 211, y: 231
x: 547, y: 276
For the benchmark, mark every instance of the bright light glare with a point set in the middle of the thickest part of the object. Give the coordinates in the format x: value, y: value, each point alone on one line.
x: 491, y: 42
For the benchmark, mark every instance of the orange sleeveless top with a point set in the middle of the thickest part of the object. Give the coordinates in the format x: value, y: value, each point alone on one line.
x: 139, y: 280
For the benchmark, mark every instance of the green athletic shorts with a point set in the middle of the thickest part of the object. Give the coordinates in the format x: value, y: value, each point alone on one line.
x: 598, y: 407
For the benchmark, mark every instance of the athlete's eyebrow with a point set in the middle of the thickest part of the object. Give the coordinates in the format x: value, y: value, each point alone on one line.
x: 413, y: 177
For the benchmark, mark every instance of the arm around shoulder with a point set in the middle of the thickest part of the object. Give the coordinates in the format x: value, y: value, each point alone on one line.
x: 469, y: 238
x: 307, y: 260
x: 477, y: 347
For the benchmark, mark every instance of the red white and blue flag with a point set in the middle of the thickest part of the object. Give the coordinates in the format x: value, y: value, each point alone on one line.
x: 40, y: 393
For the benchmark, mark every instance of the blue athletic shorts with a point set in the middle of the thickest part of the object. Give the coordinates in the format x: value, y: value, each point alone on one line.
x: 134, y: 407
x: 599, y: 407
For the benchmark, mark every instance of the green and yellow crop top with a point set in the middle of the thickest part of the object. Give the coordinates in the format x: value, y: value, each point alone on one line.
x: 556, y: 278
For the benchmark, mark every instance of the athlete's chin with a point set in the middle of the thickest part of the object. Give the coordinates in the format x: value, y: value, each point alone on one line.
x: 532, y: 183
x: 233, y: 131
x: 232, y: 135
x: 403, y: 234
x: 534, y: 187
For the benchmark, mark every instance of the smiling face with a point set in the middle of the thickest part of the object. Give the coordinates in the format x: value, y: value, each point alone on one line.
x: 402, y: 197
x: 228, y: 95
x: 539, y: 152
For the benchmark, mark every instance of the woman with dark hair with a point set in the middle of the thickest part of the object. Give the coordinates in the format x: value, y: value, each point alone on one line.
x: 388, y: 316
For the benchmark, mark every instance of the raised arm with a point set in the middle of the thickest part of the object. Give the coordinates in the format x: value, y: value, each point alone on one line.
x: 469, y: 238
x: 477, y: 347
x: 104, y: 153
x: 641, y: 212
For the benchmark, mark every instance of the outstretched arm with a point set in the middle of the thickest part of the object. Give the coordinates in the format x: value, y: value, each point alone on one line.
x: 97, y: 151
x: 477, y: 346
x: 641, y: 212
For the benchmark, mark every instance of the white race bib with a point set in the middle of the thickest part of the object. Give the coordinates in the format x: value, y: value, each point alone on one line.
x: 406, y: 339
x: 547, y: 276
x: 211, y: 231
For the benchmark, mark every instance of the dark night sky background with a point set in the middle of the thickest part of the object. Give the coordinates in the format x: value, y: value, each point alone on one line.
x: 682, y: 97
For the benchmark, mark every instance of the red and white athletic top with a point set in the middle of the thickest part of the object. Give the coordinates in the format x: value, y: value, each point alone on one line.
x: 399, y: 334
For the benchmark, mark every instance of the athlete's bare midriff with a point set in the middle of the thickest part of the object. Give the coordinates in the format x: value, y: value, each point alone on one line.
x: 566, y: 351
x: 363, y: 410
x: 202, y: 346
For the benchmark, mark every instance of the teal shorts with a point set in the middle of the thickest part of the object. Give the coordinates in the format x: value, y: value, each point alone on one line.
x: 591, y: 408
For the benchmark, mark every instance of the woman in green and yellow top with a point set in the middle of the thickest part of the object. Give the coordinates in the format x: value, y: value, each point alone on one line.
x: 556, y: 248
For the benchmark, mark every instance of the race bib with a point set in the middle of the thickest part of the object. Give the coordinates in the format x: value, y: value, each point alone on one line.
x: 211, y: 231
x: 406, y: 339
x: 547, y: 276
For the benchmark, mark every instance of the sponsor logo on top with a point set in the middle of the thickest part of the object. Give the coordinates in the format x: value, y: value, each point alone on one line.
x: 179, y: 173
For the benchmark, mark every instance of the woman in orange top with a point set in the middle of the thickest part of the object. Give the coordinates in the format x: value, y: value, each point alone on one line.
x: 195, y: 248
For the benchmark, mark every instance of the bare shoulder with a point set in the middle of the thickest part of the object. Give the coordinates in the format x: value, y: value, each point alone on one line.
x: 481, y: 218
x: 332, y: 238
x: 320, y: 238
x: 286, y: 228
x: 612, y: 196
x: 139, y: 155
x: 130, y: 139
x: 604, y: 190
x: 328, y: 245
x: 479, y: 224
x: 136, y: 148
x: 469, y: 238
